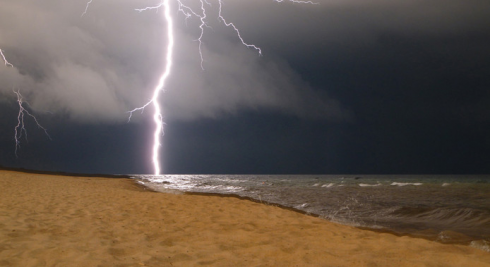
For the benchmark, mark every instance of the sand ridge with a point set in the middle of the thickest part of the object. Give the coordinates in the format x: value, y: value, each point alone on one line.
x: 48, y: 220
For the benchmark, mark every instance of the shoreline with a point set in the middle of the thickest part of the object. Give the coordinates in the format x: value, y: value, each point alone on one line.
x: 363, y: 228
x: 52, y: 219
x: 386, y: 231
x: 427, y: 234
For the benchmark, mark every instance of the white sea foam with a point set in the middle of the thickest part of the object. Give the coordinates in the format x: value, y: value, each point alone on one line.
x: 160, y: 188
x: 446, y: 184
x: 328, y: 185
x: 365, y: 185
x: 481, y: 244
x: 404, y: 184
x: 302, y: 206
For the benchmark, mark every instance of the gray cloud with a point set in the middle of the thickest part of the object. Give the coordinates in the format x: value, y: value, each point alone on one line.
x: 96, y: 67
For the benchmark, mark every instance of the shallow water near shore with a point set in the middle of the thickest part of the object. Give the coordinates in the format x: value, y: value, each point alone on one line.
x: 443, y: 208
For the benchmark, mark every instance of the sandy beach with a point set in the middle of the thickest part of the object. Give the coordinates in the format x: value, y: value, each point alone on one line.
x: 49, y: 220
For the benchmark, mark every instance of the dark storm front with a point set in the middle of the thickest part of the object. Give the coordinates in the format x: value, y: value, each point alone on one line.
x: 449, y: 209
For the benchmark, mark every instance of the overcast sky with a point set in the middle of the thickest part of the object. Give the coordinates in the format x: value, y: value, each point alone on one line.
x: 347, y: 86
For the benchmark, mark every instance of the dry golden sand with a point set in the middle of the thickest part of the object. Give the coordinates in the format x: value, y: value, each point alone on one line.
x: 48, y: 220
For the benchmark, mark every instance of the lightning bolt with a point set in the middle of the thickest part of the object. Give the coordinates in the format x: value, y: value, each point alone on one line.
x: 20, y: 129
x: 5, y: 59
x: 187, y: 12
x: 157, y: 115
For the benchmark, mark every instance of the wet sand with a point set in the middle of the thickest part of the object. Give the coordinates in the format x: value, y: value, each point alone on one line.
x: 49, y: 220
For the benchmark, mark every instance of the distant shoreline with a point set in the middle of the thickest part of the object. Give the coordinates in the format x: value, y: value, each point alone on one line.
x: 64, y: 173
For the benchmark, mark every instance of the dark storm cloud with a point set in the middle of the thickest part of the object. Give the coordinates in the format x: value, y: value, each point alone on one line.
x: 344, y: 32
x: 337, y: 21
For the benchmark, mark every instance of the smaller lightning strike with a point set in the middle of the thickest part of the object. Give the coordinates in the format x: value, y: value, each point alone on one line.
x: 20, y: 129
x: 188, y: 12
x: 86, y: 8
x: 298, y: 2
x: 5, y: 59
x: 203, y: 24
x: 229, y: 24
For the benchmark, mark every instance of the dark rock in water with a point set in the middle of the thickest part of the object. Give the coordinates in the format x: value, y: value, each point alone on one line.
x: 357, y: 178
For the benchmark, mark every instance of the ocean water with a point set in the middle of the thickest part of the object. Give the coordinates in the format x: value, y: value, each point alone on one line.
x: 443, y: 208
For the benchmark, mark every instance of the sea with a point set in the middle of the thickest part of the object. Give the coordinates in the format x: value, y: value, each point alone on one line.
x: 444, y: 208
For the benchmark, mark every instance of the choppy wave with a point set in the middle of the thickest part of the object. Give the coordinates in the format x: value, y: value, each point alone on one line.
x: 405, y: 184
x: 367, y: 185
